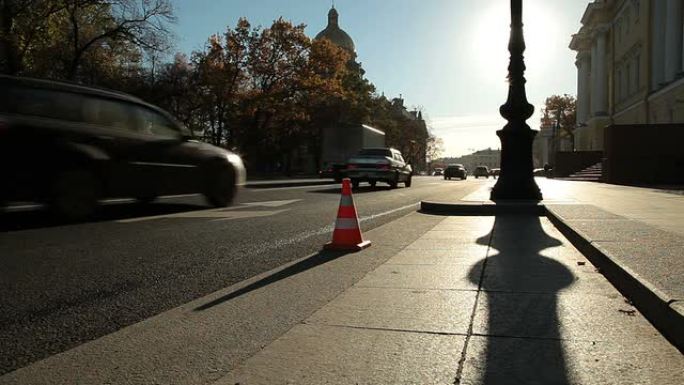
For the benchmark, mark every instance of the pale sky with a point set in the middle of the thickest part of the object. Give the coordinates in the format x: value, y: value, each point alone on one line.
x: 448, y: 56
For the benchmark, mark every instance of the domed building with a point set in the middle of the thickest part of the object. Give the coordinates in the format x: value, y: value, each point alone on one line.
x: 337, y: 35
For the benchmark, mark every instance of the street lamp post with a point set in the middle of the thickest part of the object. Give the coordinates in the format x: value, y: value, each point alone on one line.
x: 516, y: 180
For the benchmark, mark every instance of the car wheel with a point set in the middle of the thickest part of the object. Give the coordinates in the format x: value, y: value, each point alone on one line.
x: 408, y: 182
x: 445, y: 178
x: 355, y: 183
x: 221, y: 187
x: 75, y: 193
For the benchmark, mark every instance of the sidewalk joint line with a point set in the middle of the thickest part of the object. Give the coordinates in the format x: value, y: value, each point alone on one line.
x: 461, y: 361
x: 409, y: 288
x: 396, y: 330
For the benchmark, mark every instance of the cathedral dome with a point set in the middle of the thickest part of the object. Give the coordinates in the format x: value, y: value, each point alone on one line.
x: 335, y: 34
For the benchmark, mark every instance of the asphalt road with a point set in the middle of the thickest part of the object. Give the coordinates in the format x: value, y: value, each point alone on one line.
x: 66, y: 284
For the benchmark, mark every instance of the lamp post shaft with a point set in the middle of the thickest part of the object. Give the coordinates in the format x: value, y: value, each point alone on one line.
x: 516, y: 181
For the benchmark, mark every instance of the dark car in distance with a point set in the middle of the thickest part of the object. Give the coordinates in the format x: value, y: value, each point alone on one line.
x: 379, y: 164
x: 455, y: 171
x: 70, y: 146
x: 481, y: 171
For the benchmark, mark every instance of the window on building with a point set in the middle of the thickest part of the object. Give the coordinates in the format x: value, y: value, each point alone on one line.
x: 618, y: 85
x: 628, y: 78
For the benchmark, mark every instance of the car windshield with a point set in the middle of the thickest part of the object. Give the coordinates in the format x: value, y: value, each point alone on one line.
x: 375, y: 152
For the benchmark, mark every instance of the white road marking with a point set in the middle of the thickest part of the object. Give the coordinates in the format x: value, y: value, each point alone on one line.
x: 271, y: 203
x: 221, y: 213
x: 248, y: 214
x: 13, y: 208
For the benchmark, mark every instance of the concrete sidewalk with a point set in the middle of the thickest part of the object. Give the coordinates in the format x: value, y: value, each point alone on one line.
x: 474, y: 300
x: 634, y: 235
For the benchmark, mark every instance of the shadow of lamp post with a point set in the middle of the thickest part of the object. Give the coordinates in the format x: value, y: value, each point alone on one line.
x: 516, y: 180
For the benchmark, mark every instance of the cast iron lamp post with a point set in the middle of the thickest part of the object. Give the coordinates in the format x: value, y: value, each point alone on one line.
x: 516, y: 181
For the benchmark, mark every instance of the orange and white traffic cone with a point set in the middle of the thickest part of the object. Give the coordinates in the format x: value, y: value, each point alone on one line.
x: 347, y: 234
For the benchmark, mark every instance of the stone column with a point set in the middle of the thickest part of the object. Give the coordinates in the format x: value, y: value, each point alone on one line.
x: 658, y: 44
x: 583, y: 86
x: 673, y: 39
x: 592, y: 81
x: 600, y: 81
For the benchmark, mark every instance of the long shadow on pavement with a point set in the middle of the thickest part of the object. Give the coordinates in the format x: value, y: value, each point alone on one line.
x: 320, y: 258
x: 523, y: 340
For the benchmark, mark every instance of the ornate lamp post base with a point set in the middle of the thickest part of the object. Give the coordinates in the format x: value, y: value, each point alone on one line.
x: 516, y: 181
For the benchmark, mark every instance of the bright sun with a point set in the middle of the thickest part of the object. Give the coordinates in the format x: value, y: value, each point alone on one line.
x: 489, y: 44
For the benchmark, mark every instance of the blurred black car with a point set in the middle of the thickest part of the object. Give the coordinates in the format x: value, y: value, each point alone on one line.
x: 455, y: 171
x: 69, y: 146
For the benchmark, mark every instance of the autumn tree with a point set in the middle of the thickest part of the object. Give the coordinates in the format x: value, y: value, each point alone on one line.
x: 64, y: 38
x: 561, y: 111
x: 221, y: 70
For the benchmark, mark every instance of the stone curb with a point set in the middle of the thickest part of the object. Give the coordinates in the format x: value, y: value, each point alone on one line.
x: 655, y: 305
x: 285, y: 183
x: 666, y: 314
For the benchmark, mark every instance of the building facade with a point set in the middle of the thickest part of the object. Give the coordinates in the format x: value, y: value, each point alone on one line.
x: 630, y: 66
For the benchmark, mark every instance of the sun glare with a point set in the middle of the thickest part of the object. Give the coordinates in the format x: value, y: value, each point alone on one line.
x: 490, y: 42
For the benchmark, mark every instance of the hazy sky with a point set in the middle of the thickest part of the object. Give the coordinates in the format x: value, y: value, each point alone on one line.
x: 448, y: 56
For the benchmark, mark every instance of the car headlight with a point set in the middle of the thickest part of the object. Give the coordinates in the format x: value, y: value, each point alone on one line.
x: 236, y: 161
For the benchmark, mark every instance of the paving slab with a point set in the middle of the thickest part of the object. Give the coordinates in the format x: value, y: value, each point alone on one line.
x: 316, y: 354
x: 442, y: 277
x: 467, y: 255
x: 502, y: 360
x: 435, y: 311
x: 589, y: 317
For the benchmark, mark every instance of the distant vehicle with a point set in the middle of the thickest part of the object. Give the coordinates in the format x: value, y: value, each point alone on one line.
x: 340, y: 143
x: 438, y: 171
x: 379, y: 164
x: 539, y: 172
x: 495, y: 172
x: 70, y: 146
x: 455, y: 171
x: 481, y: 171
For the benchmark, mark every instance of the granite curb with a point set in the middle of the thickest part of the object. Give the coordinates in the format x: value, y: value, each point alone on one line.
x: 663, y: 311
x: 287, y: 183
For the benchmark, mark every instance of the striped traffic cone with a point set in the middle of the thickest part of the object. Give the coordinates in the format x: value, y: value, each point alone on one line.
x: 347, y: 234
